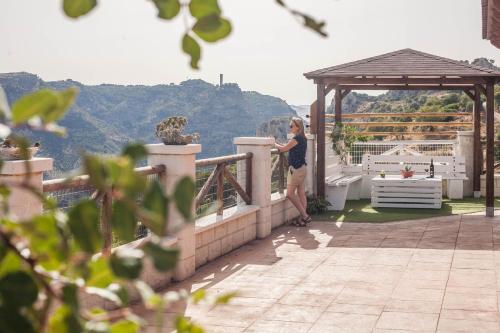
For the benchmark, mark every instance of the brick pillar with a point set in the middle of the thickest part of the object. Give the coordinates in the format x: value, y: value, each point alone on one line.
x: 22, y: 203
x: 179, y: 162
x: 261, y: 178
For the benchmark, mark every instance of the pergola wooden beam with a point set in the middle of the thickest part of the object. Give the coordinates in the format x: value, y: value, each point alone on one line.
x: 403, y: 124
x: 478, y: 151
x: 440, y: 133
x: 320, y: 139
x: 490, y: 155
x: 404, y: 87
x: 405, y: 80
x: 401, y: 114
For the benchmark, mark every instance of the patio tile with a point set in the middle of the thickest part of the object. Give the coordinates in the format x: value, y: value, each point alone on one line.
x: 355, y: 308
x: 472, y: 277
x: 418, y: 294
x: 467, y: 326
x: 299, y: 298
x: 343, y: 322
x: 274, y: 326
x: 473, y: 263
x: 476, y: 302
x: 408, y: 321
x: 470, y: 315
x: 396, y: 305
x: 301, y: 314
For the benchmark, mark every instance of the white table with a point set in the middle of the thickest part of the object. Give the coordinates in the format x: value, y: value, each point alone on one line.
x: 413, y: 192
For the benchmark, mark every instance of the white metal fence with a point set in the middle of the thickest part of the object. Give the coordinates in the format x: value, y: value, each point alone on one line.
x: 409, y: 147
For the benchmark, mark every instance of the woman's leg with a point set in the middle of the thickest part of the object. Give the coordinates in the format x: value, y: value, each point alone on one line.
x: 295, y: 200
x: 301, y: 192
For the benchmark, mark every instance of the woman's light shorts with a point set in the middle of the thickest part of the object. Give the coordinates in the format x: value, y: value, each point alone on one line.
x: 296, y: 177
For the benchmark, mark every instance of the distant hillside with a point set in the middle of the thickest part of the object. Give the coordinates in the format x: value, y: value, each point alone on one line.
x: 106, y: 116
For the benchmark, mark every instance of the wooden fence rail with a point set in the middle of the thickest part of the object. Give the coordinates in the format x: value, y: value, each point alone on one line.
x: 105, y: 198
x: 280, y: 165
x: 220, y: 173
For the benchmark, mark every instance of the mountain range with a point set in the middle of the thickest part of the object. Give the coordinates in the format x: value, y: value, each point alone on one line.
x: 105, y: 117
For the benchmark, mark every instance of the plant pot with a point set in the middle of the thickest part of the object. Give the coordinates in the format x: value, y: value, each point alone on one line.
x: 406, y: 174
x: 14, y: 153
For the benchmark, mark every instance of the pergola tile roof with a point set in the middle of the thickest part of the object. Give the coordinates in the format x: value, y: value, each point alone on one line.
x: 406, y: 62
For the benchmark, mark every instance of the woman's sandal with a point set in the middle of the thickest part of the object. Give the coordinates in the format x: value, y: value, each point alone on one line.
x: 299, y: 223
x: 307, y: 220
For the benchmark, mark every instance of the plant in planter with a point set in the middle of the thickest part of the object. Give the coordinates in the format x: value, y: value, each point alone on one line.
x: 407, y: 172
x: 316, y: 205
x: 342, y: 138
x: 16, y: 149
x: 382, y: 174
x: 170, y: 132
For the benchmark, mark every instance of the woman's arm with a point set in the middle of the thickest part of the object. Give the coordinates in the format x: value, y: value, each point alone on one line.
x: 284, y: 148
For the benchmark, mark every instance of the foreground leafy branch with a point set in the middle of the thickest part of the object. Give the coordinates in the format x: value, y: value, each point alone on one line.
x: 50, y: 262
x: 203, y: 21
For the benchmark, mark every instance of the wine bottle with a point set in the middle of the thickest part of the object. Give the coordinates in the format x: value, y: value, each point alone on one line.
x: 431, y: 169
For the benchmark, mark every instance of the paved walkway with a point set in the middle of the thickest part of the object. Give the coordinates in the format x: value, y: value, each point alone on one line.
x: 435, y: 275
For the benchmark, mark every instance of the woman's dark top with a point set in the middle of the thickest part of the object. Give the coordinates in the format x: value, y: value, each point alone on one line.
x: 297, y: 155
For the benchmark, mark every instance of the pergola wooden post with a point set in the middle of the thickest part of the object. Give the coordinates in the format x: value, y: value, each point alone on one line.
x: 320, y: 139
x: 490, y: 153
x: 410, y: 70
x: 478, y: 150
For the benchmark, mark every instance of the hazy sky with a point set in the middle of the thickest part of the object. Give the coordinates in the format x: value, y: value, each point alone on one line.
x: 123, y: 42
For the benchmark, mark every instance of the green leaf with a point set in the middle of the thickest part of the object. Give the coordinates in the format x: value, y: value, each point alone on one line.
x: 18, y: 289
x: 120, y: 291
x: 225, y: 298
x: 84, y: 225
x: 125, y: 326
x: 135, y: 151
x: 184, y: 194
x: 13, y: 321
x: 200, y: 8
x: 96, y: 170
x: 64, y: 320
x: 70, y: 296
x: 198, y: 296
x: 156, y: 205
x: 183, y: 325
x: 150, y: 299
x: 100, y: 274
x: 3, y: 250
x: 47, y: 104
x: 96, y: 327
x: 77, y: 8
x: 191, y: 47
x: 212, y: 28
x: 167, y: 9
x: 10, y: 263
x: 123, y: 221
x: 126, y: 263
x: 163, y: 259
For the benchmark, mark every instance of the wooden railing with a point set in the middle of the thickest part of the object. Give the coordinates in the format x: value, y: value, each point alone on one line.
x: 219, y: 173
x: 104, y: 198
x: 279, y: 166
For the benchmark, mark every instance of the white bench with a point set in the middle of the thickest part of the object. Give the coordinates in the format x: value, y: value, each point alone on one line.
x: 342, y: 182
x: 450, y: 168
x: 340, y: 188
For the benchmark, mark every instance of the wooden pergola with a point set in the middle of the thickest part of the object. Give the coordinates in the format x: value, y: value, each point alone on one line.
x: 408, y: 69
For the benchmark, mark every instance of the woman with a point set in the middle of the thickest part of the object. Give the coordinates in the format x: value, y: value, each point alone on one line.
x: 295, y: 190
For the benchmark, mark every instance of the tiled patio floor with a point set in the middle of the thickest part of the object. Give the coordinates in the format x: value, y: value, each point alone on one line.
x: 435, y: 275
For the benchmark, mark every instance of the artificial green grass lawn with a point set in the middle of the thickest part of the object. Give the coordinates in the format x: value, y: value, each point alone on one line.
x: 362, y: 211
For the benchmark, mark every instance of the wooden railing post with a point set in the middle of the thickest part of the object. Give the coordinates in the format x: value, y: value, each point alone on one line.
x: 106, y: 211
x: 248, y: 176
x: 281, y: 170
x: 220, y: 190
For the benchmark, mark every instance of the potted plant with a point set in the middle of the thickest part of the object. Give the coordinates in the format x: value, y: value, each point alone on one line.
x: 342, y: 138
x: 382, y: 174
x: 407, y: 172
x: 170, y: 132
x: 12, y: 150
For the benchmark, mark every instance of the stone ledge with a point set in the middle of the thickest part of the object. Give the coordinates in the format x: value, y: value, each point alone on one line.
x: 277, y: 197
x: 230, y: 214
x: 37, y: 164
x: 254, y: 141
x: 161, y: 149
